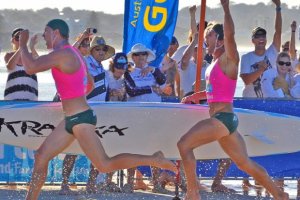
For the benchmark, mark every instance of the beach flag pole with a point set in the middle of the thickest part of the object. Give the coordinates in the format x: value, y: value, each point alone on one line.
x: 200, y: 46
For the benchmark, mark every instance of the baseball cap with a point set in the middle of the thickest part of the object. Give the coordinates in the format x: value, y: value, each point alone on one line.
x: 258, y: 31
x: 120, y: 61
x: 174, y: 40
x: 61, y: 25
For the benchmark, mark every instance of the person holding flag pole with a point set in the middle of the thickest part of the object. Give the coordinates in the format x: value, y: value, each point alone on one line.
x: 221, y: 79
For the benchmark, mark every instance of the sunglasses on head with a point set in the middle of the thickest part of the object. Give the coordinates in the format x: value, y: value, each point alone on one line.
x: 284, y: 63
x: 105, y: 48
x: 140, y: 54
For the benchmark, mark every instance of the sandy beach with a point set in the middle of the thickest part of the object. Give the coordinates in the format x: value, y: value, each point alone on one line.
x: 52, y: 192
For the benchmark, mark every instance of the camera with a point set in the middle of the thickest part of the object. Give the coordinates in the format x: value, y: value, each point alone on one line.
x: 92, y: 30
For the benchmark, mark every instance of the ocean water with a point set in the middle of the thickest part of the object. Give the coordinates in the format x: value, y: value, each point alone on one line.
x: 46, y: 84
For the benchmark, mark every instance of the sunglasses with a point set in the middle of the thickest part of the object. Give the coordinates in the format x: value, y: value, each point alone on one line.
x: 259, y: 36
x: 105, y: 48
x: 140, y: 54
x: 284, y: 63
x: 121, y: 66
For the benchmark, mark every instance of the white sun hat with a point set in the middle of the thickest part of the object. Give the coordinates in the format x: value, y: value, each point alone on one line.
x: 139, y: 48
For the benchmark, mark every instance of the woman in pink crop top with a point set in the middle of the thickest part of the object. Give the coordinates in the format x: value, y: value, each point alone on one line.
x: 221, y: 79
x: 80, y: 121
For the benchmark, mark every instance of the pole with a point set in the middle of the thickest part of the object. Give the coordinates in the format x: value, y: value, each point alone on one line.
x: 200, y: 46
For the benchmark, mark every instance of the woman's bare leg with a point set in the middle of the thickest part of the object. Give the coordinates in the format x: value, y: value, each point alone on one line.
x: 91, y: 184
x: 92, y: 147
x: 68, y: 164
x: 202, y: 133
x: 55, y: 143
x: 235, y: 147
x: 217, y: 185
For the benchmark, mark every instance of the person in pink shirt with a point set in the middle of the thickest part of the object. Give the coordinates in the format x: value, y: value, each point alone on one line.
x: 221, y: 78
x: 70, y: 75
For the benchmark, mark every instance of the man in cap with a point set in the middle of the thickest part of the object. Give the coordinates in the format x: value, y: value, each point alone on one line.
x: 255, y: 63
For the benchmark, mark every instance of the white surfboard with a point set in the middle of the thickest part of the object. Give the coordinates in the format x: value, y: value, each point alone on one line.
x: 147, y: 127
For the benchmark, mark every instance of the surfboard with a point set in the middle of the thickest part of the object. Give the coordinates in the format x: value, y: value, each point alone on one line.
x: 147, y: 127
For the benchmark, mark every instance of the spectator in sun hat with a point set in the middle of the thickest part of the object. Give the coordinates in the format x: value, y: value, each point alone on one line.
x: 99, y: 42
x: 143, y: 82
x: 255, y: 63
x: 140, y: 49
x: 99, y: 51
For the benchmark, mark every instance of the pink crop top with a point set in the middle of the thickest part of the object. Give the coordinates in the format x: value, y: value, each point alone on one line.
x: 73, y: 85
x: 219, y: 87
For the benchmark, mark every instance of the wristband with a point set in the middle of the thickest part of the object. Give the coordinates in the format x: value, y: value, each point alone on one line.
x: 278, y: 9
x: 293, y: 31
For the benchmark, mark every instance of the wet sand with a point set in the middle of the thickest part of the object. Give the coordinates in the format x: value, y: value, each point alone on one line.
x: 52, y: 193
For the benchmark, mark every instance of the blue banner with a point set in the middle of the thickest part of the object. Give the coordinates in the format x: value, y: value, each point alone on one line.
x: 150, y: 22
x: 16, y: 165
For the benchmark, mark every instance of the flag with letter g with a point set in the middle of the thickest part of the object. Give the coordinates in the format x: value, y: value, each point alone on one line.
x: 150, y: 22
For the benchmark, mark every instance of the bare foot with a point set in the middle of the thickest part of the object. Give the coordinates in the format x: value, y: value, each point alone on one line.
x: 246, y: 185
x: 192, y: 196
x: 67, y: 191
x: 140, y: 185
x: 221, y: 188
x: 164, y: 163
x: 202, y: 187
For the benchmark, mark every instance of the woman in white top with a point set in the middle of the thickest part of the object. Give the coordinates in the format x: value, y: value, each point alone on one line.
x: 278, y: 82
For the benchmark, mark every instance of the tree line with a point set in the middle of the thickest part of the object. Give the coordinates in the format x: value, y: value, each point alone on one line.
x: 246, y: 17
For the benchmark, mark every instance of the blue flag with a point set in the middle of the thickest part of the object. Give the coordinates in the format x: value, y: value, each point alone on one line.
x: 150, y: 22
